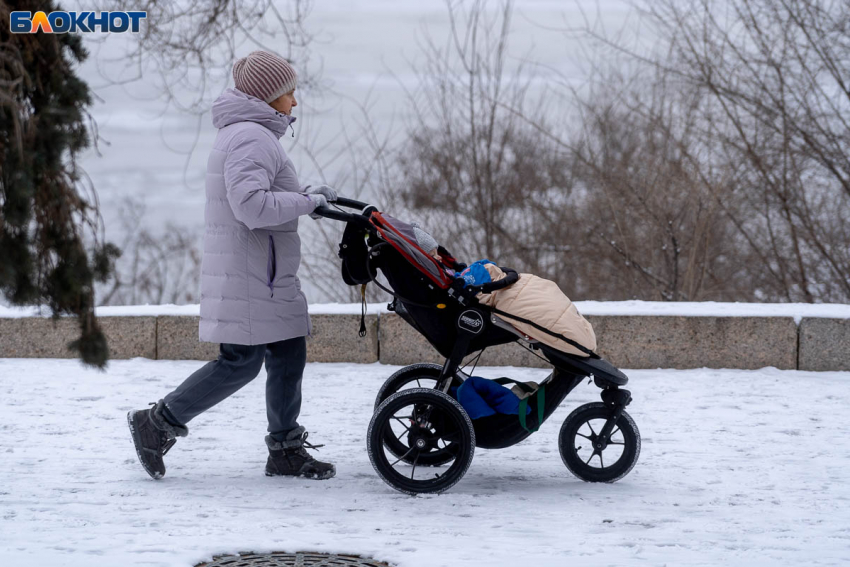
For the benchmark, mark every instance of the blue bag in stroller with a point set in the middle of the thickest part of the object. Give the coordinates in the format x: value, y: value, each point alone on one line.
x: 481, y: 397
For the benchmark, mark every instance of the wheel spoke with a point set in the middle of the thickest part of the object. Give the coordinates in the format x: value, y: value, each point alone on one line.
x: 399, y: 437
x: 587, y: 462
x: 583, y: 435
x: 452, y: 437
x: 615, y: 443
x: 600, y: 460
x: 401, y: 421
x: 613, y: 432
x: 414, y: 465
x: 402, y: 457
x: 591, y: 428
x: 451, y: 449
x: 418, y: 383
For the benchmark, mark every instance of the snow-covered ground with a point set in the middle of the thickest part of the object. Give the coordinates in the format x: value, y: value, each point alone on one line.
x: 737, y: 468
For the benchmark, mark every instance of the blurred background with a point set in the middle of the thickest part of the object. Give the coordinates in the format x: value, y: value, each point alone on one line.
x: 668, y: 150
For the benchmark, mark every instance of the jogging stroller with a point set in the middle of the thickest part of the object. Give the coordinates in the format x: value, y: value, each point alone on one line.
x: 420, y: 439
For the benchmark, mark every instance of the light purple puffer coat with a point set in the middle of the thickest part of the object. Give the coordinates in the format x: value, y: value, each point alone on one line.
x: 249, y: 291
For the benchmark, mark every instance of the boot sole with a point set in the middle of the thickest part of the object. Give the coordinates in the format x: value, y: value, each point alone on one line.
x: 310, y: 476
x: 156, y: 475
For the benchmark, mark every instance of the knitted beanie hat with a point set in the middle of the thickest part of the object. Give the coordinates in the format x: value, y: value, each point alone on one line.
x: 264, y: 75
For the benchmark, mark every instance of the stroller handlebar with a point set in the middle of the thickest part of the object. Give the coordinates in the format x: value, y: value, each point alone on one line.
x: 361, y: 218
x: 350, y: 203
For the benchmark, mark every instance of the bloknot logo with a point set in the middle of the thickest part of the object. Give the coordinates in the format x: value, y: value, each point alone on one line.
x: 83, y: 22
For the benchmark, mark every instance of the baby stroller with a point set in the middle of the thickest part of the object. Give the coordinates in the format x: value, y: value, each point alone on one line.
x: 420, y: 439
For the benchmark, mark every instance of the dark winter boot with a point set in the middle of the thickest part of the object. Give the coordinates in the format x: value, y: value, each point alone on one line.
x: 289, y: 458
x: 153, y: 436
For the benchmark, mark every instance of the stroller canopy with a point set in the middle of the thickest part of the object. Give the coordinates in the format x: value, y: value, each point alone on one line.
x: 399, y: 235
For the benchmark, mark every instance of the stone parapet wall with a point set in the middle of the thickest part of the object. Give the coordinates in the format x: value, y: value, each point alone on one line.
x: 626, y: 341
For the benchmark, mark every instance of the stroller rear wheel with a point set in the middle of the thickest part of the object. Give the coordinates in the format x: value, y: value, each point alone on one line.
x: 424, y: 421
x: 580, y: 438
x: 421, y: 375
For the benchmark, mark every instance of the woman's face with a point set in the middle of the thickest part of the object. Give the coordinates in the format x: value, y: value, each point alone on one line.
x: 285, y: 103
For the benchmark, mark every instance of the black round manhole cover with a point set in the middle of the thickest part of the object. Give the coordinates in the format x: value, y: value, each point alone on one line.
x: 278, y: 559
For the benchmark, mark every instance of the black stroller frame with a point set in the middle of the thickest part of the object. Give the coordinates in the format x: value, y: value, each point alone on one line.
x: 450, y: 317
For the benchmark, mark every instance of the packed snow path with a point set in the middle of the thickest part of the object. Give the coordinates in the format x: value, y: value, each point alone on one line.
x: 736, y: 468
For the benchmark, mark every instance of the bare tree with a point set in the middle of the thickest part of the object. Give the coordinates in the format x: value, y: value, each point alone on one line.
x: 770, y: 81
x: 609, y: 209
x: 155, y: 267
x: 482, y: 178
x: 654, y: 227
x: 190, y: 45
x: 363, y: 165
x: 186, y: 49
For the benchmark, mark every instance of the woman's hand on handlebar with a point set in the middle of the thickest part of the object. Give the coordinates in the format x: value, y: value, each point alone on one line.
x: 321, y: 201
x: 324, y: 190
x: 321, y: 195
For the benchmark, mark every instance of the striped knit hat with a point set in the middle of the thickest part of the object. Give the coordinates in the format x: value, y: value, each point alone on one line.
x: 264, y: 75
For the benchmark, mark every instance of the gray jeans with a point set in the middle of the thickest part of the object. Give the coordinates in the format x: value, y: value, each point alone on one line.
x: 236, y: 366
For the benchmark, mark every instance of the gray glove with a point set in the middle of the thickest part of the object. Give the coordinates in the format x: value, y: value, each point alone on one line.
x: 328, y: 192
x: 320, y: 201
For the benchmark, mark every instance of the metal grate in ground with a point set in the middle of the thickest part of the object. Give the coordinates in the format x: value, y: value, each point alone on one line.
x: 279, y: 559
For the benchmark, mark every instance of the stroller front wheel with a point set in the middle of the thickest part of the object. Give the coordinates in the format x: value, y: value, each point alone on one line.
x: 425, y: 421
x: 579, y: 443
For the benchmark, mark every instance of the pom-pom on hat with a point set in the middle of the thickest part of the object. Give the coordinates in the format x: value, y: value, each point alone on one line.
x: 264, y: 75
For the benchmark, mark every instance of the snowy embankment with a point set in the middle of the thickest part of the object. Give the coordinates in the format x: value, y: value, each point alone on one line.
x: 664, y: 308
x: 737, y: 468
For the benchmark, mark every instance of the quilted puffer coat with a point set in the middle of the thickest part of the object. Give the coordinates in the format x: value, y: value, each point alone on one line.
x: 250, y: 293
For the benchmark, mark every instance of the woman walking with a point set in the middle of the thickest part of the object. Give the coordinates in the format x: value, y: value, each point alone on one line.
x: 251, y: 298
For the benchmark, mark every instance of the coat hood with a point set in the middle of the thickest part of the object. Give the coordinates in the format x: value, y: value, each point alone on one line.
x: 235, y: 106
